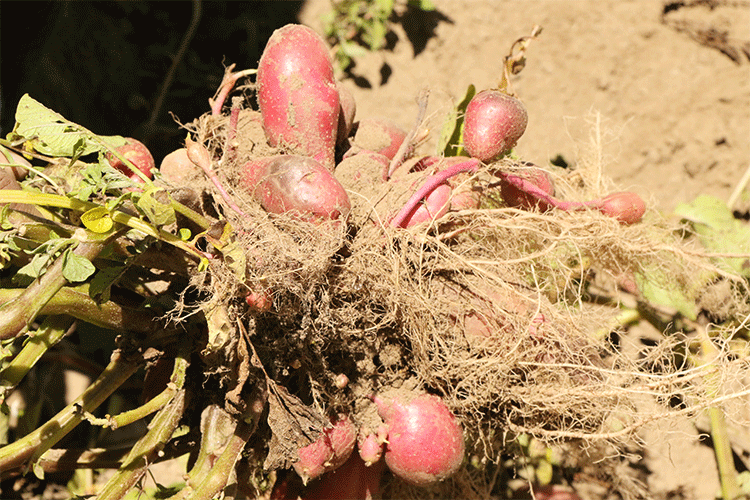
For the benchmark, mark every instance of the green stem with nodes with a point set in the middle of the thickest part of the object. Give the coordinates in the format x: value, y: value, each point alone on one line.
x: 76, y: 302
x: 54, y: 200
x: 217, y: 427
x: 218, y: 476
x: 17, y: 314
x: 146, y: 450
x: 69, y: 459
x: 33, y: 445
x: 52, y: 330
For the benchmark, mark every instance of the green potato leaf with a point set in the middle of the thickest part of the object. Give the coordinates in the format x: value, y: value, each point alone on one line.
x: 76, y: 269
x: 718, y: 231
x: 154, y: 203
x: 51, y: 134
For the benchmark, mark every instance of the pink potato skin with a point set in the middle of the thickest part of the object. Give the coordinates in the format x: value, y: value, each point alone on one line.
x: 290, y: 183
x: 434, y: 206
x: 425, y: 441
x: 329, y: 452
x: 297, y: 94
x: 626, y: 207
x: 138, y: 154
x: 493, y: 124
x: 516, y: 198
x: 379, y: 135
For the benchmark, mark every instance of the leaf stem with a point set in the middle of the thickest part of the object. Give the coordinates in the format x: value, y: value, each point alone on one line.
x: 52, y: 330
x: 76, y: 302
x: 147, y: 448
x: 58, y: 201
x: 17, y: 314
x: 120, y: 368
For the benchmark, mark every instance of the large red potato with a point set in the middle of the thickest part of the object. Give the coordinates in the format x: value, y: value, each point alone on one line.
x: 297, y: 94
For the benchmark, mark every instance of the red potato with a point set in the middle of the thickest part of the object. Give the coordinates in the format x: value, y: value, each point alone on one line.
x: 434, y: 206
x: 138, y: 154
x: 297, y: 94
x: 379, y: 135
x: 177, y: 168
x: 370, y: 444
x: 352, y: 481
x: 626, y: 207
x: 493, y: 124
x: 517, y: 198
x: 329, y: 452
x: 290, y: 183
x: 425, y: 441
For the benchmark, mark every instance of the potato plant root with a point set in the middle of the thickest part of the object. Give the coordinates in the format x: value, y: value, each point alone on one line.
x: 470, y: 306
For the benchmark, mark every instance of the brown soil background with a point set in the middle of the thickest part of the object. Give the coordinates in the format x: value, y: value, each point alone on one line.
x: 673, y: 115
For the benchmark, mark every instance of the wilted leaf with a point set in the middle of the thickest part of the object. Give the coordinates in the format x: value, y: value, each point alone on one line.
x: 51, y: 134
x: 97, y: 220
x: 718, y: 230
x: 155, y: 205
x: 660, y: 291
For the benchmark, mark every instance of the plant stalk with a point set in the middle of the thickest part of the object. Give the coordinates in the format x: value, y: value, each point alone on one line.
x: 730, y: 489
x: 17, y: 314
x: 146, y: 450
x: 33, y: 445
x: 73, y: 301
x: 52, y: 330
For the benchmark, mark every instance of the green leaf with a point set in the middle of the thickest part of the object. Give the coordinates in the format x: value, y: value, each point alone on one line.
x: 51, y: 134
x: 154, y: 203
x: 717, y: 229
x: 660, y: 291
x: 97, y: 220
x: 76, y: 268
x: 451, y: 135
x: 103, y: 280
x: 31, y: 271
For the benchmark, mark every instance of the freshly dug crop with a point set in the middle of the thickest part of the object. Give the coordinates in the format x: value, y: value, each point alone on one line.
x: 352, y: 481
x: 493, y: 124
x: 290, y: 183
x: 625, y: 206
x: 515, y: 197
x: 370, y: 444
x: 425, y: 441
x: 434, y: 206
x: 297, y: 94
x: 138, y: 154
x: 177, y: 168
x: 329, y: 452
x: 347, y: 113
x: 380, y: 135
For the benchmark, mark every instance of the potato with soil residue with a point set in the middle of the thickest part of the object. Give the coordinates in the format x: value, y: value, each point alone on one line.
x: 297, y: 94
